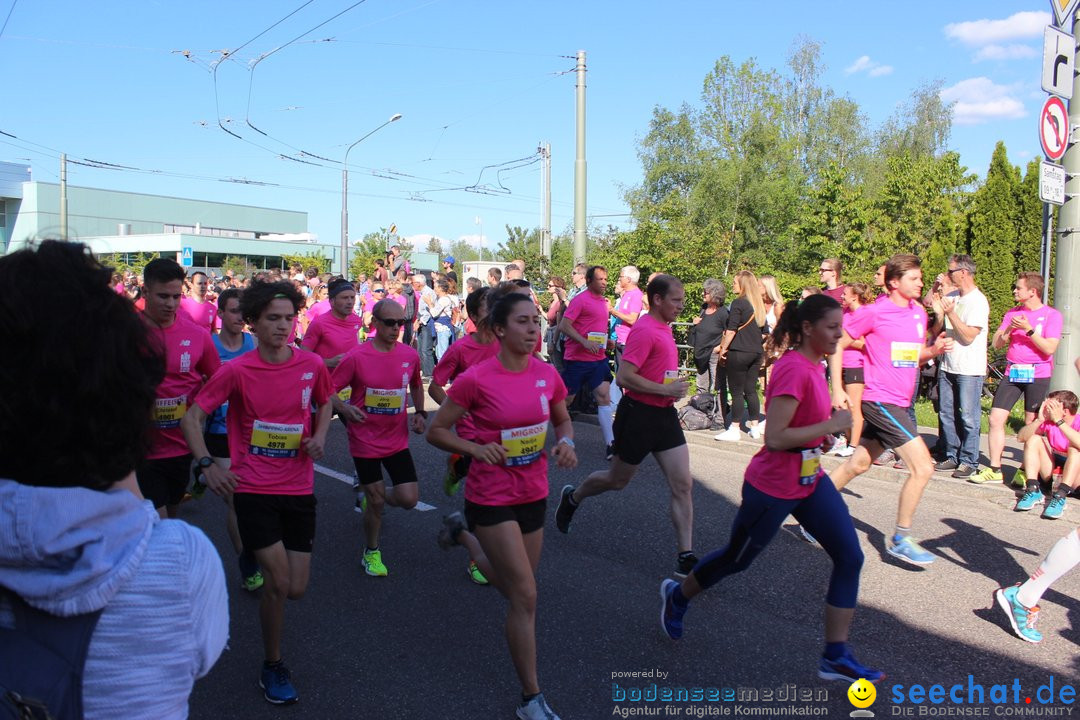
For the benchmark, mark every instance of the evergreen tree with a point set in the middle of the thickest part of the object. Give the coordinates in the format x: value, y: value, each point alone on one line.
x: 994, y: 232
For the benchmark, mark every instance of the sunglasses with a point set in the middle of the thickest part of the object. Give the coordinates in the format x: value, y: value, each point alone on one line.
x: 392, y: 322
x: 379, y: 290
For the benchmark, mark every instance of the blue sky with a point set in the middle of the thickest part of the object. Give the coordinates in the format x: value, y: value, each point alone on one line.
x: 478, y: 84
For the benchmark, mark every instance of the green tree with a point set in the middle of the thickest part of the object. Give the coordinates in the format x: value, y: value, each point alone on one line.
x: 435, y: 245
x: 994, y: 232
x: 309, y: 259
x: 1029, y: 225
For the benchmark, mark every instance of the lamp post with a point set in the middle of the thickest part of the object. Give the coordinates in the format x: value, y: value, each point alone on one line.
x: 480, y: 221
x: 345, y: 196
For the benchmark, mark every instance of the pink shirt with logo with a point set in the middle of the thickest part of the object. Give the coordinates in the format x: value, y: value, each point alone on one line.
x: 329, y: 336
x: 380, y: 384
x: 189, y: 355
x: 650, y: 347
x: 894, y: 337
x: 776, y: 472
x: 319, y: 308
x: 459, y: 357
x: 1047, y: 323
x: 629, y: 303
x: 483, y: 391
x: 269, y: 417
x: 1058, y: 442
x: 587, y: 313
x: 203, y: 314
x: 853, y: 358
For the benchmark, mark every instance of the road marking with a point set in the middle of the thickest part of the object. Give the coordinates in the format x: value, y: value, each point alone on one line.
x: 348, y: 480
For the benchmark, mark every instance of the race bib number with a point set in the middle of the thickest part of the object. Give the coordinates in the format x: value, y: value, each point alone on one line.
x: 670, y: 376
x: 810, y: 468
x: 1022, y: 374
x: 345, y: 395
x: 598, y: 337
x: 169, y: 411
x: 384, y: 402
x: 524, y: 444
x: 905, y: 354
x: 276, y: 440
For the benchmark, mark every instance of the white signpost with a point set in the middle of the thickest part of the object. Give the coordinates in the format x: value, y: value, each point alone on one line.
x: 1059, y: 52
x: 1051, y: 183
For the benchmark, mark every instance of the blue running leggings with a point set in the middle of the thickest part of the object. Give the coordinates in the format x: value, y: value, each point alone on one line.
x: 823, y: 514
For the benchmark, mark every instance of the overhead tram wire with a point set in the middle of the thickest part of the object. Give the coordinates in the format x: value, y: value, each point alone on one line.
x: 10, y: 10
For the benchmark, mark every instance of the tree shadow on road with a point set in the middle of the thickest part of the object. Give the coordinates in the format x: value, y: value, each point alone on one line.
x: 974, y: 549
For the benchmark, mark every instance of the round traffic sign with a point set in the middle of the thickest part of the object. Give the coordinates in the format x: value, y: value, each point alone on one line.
x: 1054, y: 128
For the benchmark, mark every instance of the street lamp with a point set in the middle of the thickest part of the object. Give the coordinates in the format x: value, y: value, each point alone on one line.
x: 480, y: 221
x: 345, y: 196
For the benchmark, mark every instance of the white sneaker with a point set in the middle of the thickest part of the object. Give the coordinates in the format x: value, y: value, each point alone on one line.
x: 757, y: 431
x: 536, y: 709
x: 846, y: 451
x: 732, y: 434
x: 839, y: 447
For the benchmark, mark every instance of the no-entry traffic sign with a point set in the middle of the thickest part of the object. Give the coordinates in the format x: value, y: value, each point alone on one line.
x: 1054, y: 128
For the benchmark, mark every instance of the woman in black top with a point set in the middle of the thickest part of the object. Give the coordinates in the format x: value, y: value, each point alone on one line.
x: 708, y: 331
x: 742, y: 349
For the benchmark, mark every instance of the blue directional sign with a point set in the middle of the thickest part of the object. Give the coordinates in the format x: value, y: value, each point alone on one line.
x: 187, y: 258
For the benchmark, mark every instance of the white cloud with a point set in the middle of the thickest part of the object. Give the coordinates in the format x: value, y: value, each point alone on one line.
x: 1019, y: 26
x: 1005, y: 52
x: 870, y: 67
x: 476, y: 240
x: 979, y: 100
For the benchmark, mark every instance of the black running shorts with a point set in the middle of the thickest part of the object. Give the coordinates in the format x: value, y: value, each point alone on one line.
x: 399, y: 467
x: 267, y: 519
x: 164, y: 481
x: 889, y: 424
x: 530, y: 516
x: 641, y: 429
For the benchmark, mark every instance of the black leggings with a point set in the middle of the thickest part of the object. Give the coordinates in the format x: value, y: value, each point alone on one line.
x: 742, y: 377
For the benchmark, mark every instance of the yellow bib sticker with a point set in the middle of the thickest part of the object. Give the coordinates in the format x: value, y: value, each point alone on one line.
x: 169, y: 411
x: 905, y: 354
x: 524, y: 444
x: 670, y: 376
x: 597, y: 337
x: 276, y: 440
x: 345, y: 394
x: 810, y: 467
x: 384, y: 402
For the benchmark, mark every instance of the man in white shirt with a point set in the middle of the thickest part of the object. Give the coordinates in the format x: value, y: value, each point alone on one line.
x: 964, y: 315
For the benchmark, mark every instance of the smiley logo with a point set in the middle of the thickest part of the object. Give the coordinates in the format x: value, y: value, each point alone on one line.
x: 862, y: 693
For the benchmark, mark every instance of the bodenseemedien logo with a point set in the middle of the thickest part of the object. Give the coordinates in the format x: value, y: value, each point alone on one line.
x: 862, y: 694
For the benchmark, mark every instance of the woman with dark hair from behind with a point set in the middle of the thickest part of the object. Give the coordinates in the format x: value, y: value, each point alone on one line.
x: 76, y: 535
x: 708, y: 331
x: 785, y: 478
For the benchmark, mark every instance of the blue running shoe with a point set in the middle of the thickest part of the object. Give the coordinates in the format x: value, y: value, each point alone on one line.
x: 1021, y: 619
x: 848, y: 669
x: 909, y: 551
x: 671, y: 615
x: 1028, y: 500
x: 1055, y: 509
x: 276, y: 682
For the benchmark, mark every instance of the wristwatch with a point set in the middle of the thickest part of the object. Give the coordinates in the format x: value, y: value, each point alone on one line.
x: 205, y: 462
x: 1060, y: 422
x: 1031, y: 332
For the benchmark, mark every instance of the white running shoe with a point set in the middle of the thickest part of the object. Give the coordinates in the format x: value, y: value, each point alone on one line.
x: 846, y: 451
x: 732, y: 434
x: 757, y: 431
x: 838, y: 447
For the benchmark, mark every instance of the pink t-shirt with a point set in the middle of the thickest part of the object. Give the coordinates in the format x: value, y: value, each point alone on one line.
x: 650, y: 346
x: 777, y: 472
x: 459, y: 357
x: 269, y: 416
x: 629, y: 303
x: 1047, y: 323
x: 1058, y: 442
x: 203, y: 314
x: 587, y: 313
x: 323, y: 306
x: 380, y: 383
x: 853, y: 358
x: 189, y: 355
x: 329, y: 336
x: 520, y: 425
x: 894, y: 337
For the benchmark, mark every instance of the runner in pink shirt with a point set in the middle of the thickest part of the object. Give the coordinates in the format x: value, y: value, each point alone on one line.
x: 785, y: 478
x: 585, y: 324
x: 190, y: 357
x: 197, y: 306
x: 274, y: 445
x: 332, y: 334
x: 506, y: 493
x: 380, y: 373
x: 1051, y: 452
x: 1032, y: 331
x: 646, y: 422
x: 894, y: 331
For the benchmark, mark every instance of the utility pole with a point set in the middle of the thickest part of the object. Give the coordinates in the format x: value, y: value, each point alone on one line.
x: 545, y: 199
x: 63, y: 197
x: 1067, y: 265
x: 579, y: 165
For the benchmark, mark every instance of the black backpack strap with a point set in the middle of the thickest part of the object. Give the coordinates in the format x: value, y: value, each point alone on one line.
x: 42, y: 659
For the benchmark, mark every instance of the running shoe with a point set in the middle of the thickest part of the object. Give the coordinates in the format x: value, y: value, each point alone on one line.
x: 848, y: 669
x: 964, y: 472
x: 885, y: 458
x: 536, y: 709
x: 355, y: 480
x: 361, y: 503
x: 1028, y: 500
x: 806, y: 535
x: 987, y: 474
x: 732, y: 434
x: 847, y: 451
x: 946, y: 465
x: 373, y: 564
x: 758, y: 431
x: 839, y: 446
x: 1055, y: 509
x: 1019, y: 479
x: 1021, y: 619
x: 276, y: 683
x: 197, y: 485
x: 565, y: 512
x: 685, y: 563
x: 671, y: 615
x: 452, y: 482
x: 252, y: 582
x: 475, y: 575
x: 609, y: 452
x: 899, y: 464
x: 453, y: 525
x: 909, y: 551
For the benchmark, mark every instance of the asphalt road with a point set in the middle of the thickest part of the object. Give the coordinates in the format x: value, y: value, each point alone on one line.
x: 426, y: 643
